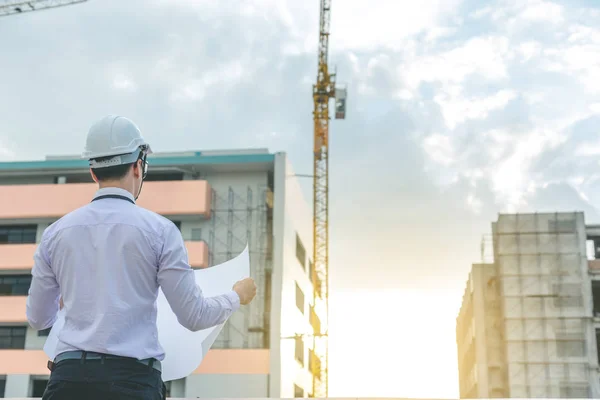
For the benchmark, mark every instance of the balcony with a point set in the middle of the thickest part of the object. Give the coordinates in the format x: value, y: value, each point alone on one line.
x: 197, y: 254
x: 167, y: 198
x: 19, y: 257
x: 12, y: 310
x: 16, y: 257
x: 235, y: 361
x: 217, y: 361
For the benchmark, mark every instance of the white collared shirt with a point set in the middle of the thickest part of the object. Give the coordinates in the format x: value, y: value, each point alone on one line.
x: 107, y: 260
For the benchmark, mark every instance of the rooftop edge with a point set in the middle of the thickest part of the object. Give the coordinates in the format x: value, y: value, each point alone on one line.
x: 158, y: 159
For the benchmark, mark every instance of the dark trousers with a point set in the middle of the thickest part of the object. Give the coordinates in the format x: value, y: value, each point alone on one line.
x: 114, y: 379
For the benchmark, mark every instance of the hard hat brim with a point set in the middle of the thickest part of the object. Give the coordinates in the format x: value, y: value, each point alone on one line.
x: 120, y: 159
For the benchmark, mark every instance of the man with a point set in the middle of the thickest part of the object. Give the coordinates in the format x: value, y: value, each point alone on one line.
x: 105, y: 262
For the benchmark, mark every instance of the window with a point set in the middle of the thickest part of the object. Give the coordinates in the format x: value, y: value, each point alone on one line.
x: 2, y: 386
x: 44, y: 332
x: 78, y: 178
x: 311, y: 270
x: 314, y: 363
x: 298, y: 392
x: 595, y: 247
x: 299, y: 298
x: 38, y: 387
x: 300, y: 252
x: 14, y: 285
x: 300, y: 350
x: 177, y: 224
x: 168, y: 386
x: 16, y: 234
x: 596, y: 297
x: 598, y: 343
x: 12, y: 337
x: 163, y: 176
x: 315, y: 321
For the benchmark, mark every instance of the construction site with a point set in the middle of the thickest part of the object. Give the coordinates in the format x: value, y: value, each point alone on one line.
x: 232, y: 199
x: 278, y: 346
x: 527, y: 327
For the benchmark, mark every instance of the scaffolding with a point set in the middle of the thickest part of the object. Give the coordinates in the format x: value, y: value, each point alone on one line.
x: 487, y: 249
x: 541, y: 260
x: 243, y: 216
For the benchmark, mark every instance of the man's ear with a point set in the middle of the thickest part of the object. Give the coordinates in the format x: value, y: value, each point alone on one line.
x: 94, y: 176
x: 137, y: 169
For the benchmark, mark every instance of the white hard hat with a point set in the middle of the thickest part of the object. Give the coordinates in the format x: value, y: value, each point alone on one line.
x: 117, y: 137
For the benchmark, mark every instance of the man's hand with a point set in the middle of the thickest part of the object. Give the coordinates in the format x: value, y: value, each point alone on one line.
x: 246, y: 289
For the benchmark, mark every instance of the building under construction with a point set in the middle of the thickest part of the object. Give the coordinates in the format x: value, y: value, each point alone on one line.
x: 221, y: 201
x: 527, y: 327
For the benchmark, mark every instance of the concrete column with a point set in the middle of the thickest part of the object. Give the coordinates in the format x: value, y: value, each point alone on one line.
x: 17, y: 386
x: 178, y: 388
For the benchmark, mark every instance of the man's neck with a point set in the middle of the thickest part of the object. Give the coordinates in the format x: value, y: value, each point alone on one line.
x: 116, y: 185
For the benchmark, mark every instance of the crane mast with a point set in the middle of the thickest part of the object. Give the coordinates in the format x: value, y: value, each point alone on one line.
x: 323, y: 91
x: 10, y: 7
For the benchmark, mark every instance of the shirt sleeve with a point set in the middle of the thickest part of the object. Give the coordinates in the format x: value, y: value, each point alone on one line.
x: 44, y: 292
x: 176, y: 278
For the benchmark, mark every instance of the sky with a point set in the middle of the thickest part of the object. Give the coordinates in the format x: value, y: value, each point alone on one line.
x: 457, y: 110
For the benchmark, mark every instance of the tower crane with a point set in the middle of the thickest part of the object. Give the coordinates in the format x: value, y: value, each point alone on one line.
x: 10, y: 7
x: 323, y: 91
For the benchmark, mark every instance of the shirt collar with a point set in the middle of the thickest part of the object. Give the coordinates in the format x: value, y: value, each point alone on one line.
x: 115, y: 191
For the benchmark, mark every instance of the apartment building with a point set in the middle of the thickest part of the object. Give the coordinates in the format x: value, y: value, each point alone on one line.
x: 528, y: 324
x: 220, y: 200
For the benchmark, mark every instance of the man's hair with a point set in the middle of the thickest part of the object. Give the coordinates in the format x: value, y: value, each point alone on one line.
x: 111, y: 173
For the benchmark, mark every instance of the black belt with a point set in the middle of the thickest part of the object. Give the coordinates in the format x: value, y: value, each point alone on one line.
x: 114, y: 196
x: 85, y: 356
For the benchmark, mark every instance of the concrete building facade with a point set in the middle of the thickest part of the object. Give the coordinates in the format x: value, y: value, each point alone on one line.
x: 527, y: 326
x: 220, y: 200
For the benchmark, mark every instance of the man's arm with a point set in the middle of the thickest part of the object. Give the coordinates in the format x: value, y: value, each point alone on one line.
x: 176, y: 278
x: 44, y: 293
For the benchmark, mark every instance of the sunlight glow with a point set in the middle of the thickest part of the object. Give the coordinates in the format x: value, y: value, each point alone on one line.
x: 387, y: 344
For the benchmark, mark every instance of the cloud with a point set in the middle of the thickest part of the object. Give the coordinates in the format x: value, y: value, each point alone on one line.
x: 484, y: 56
x: 456, y: 110
x: 540, y: 11
x: 6, y: 154
x: 507, y: 100
x: 440, y: 149
x: 480, y: 102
